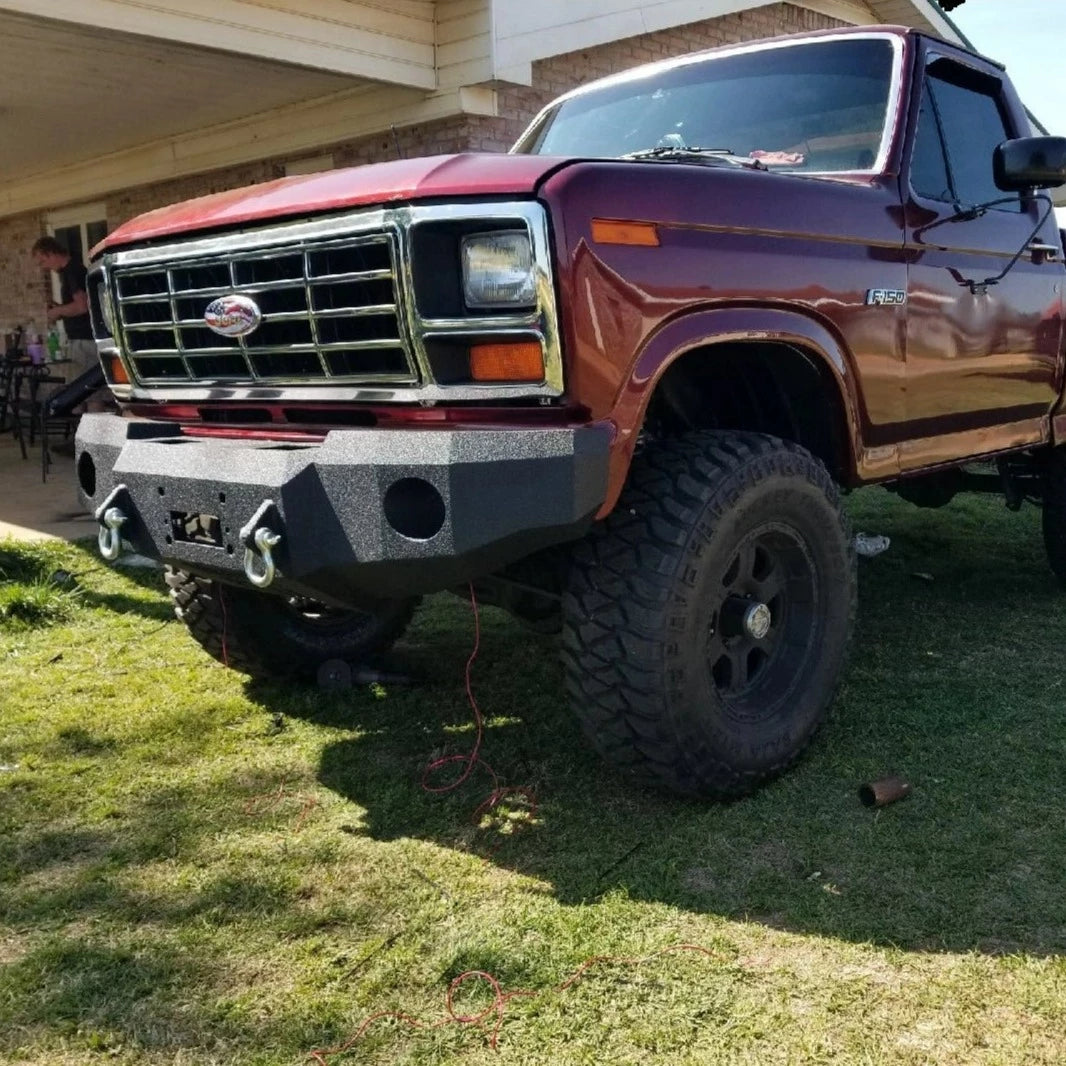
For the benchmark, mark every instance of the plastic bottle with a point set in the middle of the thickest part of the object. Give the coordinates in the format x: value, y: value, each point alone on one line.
x: 34, y: 347
x: 54, y: 344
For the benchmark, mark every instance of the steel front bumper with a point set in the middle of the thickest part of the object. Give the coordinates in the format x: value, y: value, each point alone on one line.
x: 364, y: 514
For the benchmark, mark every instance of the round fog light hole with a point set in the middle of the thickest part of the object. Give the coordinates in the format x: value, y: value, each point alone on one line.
x: 414, y: 508
x: 87, y: 474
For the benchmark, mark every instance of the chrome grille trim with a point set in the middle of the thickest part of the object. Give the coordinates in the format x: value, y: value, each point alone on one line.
x: 175, y: 349
x: 287, y: 239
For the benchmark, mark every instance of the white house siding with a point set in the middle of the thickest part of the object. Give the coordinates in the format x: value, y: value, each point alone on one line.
x: 464, y: 42
x: 72, y: 93
x: 388, y: 42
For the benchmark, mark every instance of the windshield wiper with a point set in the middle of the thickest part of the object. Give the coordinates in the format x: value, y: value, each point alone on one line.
x: 694, y: 152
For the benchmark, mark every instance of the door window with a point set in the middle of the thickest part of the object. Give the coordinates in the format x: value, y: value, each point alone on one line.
x: 929, y: 167
x: 969, y: 124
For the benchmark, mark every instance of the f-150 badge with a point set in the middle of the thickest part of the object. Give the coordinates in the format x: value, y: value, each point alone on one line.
x: 233, y: 316
x: 886, y: 297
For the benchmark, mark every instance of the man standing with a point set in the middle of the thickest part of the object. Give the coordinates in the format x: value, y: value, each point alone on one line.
x: 72, y: 310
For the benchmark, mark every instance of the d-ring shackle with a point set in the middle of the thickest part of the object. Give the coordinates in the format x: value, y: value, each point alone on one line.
x: 265, y: 539
x: 109, y: 537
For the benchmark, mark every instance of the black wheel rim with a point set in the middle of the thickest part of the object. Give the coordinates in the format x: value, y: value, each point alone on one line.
x: 762, y: 633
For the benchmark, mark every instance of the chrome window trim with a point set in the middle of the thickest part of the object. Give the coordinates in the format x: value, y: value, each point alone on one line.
x: 398, y: 222
x: 893, y: 103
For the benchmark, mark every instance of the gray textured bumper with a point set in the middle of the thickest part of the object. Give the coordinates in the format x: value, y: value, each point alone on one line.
x: 497, y: 494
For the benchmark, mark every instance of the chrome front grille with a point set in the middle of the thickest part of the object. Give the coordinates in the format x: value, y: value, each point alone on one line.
x: 330, y: 314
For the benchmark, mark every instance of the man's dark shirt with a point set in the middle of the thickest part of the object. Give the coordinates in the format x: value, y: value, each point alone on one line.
x: 72, y: 280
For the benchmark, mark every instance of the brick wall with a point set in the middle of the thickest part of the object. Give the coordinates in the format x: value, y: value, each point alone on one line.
x: 23, y: 291
x: 23, y: 288
x: 552, y: 77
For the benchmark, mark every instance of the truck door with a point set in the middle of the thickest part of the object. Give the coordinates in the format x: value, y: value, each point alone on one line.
x: 982, y: 360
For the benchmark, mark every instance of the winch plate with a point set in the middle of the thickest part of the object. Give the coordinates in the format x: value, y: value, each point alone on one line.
x: 192, y: 527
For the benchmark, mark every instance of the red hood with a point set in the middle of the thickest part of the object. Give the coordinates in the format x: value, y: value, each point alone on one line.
x: 377, y: 183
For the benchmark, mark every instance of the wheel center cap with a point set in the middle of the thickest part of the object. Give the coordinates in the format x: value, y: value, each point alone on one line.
x: 757, y: 620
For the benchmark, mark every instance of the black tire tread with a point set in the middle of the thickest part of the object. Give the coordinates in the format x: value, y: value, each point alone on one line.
x: 620, y: 586
x: 217, y: 628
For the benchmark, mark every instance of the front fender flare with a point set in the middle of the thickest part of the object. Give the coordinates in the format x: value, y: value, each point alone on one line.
x: 700, y: 329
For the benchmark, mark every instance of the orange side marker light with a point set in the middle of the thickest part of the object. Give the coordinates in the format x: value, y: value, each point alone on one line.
x: 521, y: 361
x: 612, y: 231
x: 118, y: 372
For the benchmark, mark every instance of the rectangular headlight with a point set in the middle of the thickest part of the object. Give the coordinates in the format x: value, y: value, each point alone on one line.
x: 100, y: 311
x: 498, y: 270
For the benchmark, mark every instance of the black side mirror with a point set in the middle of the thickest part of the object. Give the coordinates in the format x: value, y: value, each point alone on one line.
x: 1030, y: 163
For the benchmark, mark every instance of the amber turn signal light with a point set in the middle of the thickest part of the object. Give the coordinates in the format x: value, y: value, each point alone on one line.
x: 521, y: 361
x: 611, y: 231
x: 118, y: 373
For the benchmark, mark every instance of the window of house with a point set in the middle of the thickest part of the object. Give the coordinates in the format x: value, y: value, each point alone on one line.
x: 78, y: 229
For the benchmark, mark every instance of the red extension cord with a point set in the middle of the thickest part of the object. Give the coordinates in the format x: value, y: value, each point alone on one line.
x: 499, y: 792
x: 500, y: 1000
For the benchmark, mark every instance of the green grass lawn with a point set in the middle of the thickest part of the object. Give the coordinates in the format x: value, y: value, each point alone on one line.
x: 199, y: 869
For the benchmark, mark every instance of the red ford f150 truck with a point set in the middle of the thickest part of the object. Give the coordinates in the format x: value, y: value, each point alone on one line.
x: 615, y: 379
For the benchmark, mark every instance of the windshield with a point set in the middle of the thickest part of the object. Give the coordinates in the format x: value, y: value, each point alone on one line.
x: 808, y: 107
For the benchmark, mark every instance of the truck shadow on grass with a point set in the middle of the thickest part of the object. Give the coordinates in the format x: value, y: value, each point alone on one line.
x: 955, y: 682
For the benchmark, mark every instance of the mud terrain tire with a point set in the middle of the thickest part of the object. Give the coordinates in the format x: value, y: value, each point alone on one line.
x: 269, y: 637
x: 662, y: 615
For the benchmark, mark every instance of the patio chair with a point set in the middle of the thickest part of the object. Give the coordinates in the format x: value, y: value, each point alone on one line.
x: 25, y: 404
x: 8, y: 366
x: 56, y: 410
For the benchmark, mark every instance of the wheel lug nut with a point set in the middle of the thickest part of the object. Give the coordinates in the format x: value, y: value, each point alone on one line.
x: 757, y: 620
x: 744, y: 617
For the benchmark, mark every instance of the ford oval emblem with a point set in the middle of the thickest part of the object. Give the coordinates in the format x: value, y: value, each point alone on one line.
x: 233, y: 316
